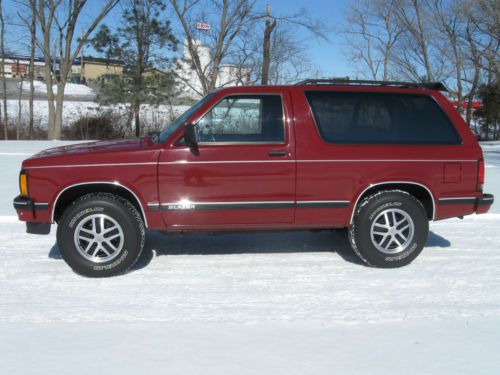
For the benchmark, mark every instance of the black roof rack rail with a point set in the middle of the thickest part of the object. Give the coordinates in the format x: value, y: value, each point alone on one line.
x: 350, y: 82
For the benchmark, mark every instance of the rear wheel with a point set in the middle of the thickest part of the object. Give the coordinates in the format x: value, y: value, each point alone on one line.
x: 100, y: 235
x: 390, y: 229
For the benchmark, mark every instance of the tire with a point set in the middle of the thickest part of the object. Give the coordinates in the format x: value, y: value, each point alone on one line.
x: 89, y: 250
x: 375, y: 238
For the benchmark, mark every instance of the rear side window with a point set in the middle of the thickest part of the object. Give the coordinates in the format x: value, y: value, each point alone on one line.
x: 380, y: 118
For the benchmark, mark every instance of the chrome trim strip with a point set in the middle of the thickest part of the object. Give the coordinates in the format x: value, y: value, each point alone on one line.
x: 88, y: 165
x: 97, y: 183
x: 384, y: 160
x: 455, y: 198
x: 226, y: 162
x: 252, y: 161
x: 314, y: 161
x: 395, y: 182
x: 232, y: 143
x: 323, y: 204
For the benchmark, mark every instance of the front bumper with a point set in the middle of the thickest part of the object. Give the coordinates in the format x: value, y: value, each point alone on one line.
x: 25, y: 204
x: 29, y: 212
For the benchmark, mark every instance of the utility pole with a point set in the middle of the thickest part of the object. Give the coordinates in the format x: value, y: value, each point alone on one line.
x: 266, y: 55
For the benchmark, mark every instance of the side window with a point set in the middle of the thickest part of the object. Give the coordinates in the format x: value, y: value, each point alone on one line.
x: 244, y: 119
x: 380, y: 118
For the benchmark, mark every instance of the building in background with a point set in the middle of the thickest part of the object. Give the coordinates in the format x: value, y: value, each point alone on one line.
x: 89, y: 69
x: 84, y: 69
x: 188, y: 81
x: 17, y: 66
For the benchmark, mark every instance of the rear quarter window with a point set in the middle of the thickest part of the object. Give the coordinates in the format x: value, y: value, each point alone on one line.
x: 380, y: 118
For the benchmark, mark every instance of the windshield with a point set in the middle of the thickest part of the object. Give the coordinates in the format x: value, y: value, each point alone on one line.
x: 174, y: 125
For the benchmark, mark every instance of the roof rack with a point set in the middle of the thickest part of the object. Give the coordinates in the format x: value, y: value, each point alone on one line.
x: 343, y: 82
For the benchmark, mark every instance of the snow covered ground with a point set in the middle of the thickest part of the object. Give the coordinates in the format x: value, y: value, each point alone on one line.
x: 275, y: 303
x: 72, y: 89
x: 73, y: 110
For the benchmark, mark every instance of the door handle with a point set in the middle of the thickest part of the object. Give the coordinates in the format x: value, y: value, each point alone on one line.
x: 276, y: 153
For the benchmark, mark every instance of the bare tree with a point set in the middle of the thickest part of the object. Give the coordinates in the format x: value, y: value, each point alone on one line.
x: 231, y: 17
x: 32, y: 4
x: 372, y: 33
x: 30, y: 23
x: 63, y: 17
x: 482, y: 49
x: 449, y: 20
x: 2, y: 62
x: 414, y: 18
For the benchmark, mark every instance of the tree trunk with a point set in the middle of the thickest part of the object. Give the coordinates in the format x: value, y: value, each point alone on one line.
x: 47, y: 16
x: 266, y: 52
x: 59, y: 110
x: 19, y: 107
x: 4, y: 83
x: 423, y: 42
x: 50, y: 98
x: 32, y: 66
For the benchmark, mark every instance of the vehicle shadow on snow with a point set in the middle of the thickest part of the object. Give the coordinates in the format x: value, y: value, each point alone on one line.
x: 336, y: 241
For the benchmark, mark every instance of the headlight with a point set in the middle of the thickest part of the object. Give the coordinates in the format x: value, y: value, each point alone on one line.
x: 23, y: 183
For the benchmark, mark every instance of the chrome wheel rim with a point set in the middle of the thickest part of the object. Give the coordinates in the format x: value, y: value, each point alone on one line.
x: 392, y: 231
x: 99, y: 238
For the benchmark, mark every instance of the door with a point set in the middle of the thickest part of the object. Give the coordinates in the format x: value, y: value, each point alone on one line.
x: 242, y: 173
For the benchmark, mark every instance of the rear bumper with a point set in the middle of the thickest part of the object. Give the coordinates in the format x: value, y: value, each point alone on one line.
x: 484, y: 203
x: 33, y: 213
x: 485, y: 200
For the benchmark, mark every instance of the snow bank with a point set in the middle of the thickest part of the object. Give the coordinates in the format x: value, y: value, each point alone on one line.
x: 70, y: 89
x: 73, y: 110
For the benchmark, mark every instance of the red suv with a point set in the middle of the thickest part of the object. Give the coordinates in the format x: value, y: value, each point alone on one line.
x: 378, y: 158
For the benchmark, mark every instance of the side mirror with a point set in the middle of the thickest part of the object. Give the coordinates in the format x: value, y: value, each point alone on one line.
x: 190, y: 135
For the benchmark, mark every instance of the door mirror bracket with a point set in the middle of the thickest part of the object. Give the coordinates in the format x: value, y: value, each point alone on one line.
x: 190, y: 135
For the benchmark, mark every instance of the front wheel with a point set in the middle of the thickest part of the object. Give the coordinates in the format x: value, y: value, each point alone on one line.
x: 389, y: 229
x: 100, y: 235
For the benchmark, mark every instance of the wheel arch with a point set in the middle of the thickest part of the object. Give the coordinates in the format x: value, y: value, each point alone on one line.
x: 416, y: 189
x: 72, y: 192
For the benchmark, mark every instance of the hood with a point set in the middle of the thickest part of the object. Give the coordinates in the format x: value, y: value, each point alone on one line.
x: 134, y: 150
x: 92, y: 147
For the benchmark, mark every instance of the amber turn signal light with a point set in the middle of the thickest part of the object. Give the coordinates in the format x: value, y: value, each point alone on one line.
x: 23, y: 184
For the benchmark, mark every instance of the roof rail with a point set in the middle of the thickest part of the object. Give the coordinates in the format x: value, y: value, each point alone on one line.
x: 343, y: 82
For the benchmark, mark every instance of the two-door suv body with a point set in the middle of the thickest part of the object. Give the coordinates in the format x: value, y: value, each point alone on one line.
x: 379, y: 158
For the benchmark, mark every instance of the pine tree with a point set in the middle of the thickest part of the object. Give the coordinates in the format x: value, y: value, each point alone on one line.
x: 141, y: 42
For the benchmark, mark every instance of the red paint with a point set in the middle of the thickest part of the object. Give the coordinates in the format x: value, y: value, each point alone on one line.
x: 310, y: 170
x: 475, y: 104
